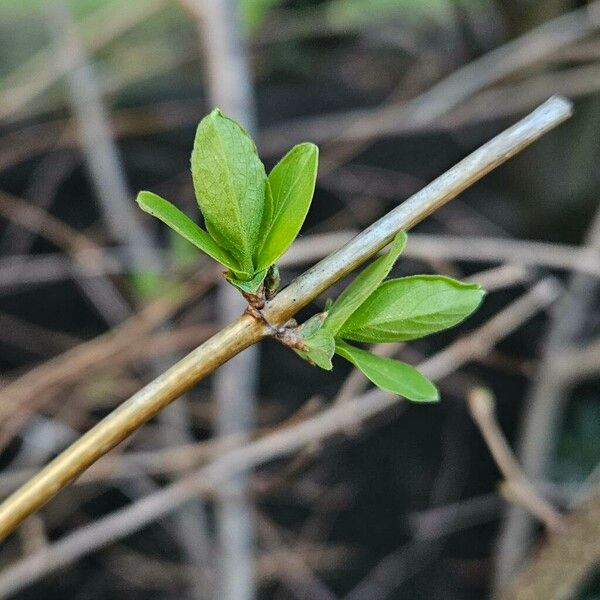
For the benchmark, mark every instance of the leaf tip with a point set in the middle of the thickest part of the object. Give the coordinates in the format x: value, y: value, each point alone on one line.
x: 147, y: 201
x: 215, y: 112
x: 309, y: 146
x: 435, y: 396
x: 141, y: 195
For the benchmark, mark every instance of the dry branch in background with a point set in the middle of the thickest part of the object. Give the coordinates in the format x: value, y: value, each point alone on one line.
x: 515, y: 485
x: 447, y: 94
x: 105, y: 166
x: 546, y: 403
x: 565, y: 560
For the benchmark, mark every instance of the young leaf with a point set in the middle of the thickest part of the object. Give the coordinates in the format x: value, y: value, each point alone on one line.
x: 313, y: 325
x: 229, y: 181
x: 292, y: 183
x: 363, y: 285
x: 267, y: 217
x: 170, y: 215
x: 246, y: 285
x: 389, y: 374
x: 320, y: 349
x: 411, y: 307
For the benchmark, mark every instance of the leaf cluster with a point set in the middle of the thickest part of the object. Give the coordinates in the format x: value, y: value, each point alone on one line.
x: 250, y: 218
x: 397, y: 310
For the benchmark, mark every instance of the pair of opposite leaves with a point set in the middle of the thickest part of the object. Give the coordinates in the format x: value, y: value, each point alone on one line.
x: 252, y: 219
x: 397, y: 310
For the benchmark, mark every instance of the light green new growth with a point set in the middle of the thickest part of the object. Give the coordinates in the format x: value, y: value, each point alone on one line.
x: 410, y: 308
x: 363, y: 285
x: 252, y: 219
x: 373, y: 310
x: 292, y: 185
x: 229, y: 181
x: 389, y: 374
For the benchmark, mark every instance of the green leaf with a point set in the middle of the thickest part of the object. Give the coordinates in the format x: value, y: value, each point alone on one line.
x: 229, y: 181
x: 363, y: 285
x: 313, y: 325
x: 411, y: 307
x: 247, y: 285
x: 170, y: 215
x: 320, y: 349
x: 267, y: 217
x: 389, y: 374
x: 292, y: 183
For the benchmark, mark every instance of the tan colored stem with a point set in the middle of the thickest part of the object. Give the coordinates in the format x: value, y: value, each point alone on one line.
x: 248, y: 330
x: 516, y: 486
x: 127, y: 418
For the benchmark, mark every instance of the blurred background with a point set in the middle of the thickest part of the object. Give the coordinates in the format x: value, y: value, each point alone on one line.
x: 100, y: 98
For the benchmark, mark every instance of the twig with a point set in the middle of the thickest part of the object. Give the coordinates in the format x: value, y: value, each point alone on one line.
x: 580, y: 363
x: 98, y: 288
x: 520, y: 252
x: 558, y: 570
x: 37, y: 220
x: 448, y: 93
x: 25, y: 271
x: 247, y: 330
x: 34, y: 338
x: 33, y: 535
x: 41, y: 191
x: 516, y: 484
x: 439, y: 521
x: 545, y: 404
x: 93, y: 124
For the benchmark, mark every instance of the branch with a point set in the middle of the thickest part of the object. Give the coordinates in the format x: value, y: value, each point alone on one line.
x: 564, y: 562
x: 247, y: 330
x: 427, y: 108
x: 546, y: 404
x: 516, y: 485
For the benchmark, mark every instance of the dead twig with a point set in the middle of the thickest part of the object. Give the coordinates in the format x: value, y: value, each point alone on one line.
x: 545, y: 404
x: 515, y: 486
x: 566, y: 558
